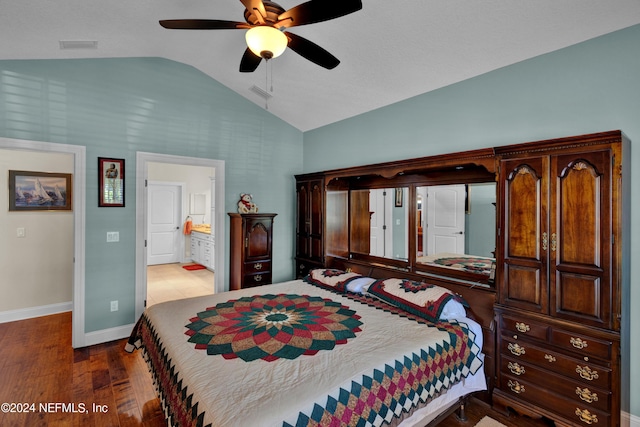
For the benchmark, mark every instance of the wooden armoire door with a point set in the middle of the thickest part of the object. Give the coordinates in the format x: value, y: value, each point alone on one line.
x: 525, y: 233
x: 580, y: 242
x: 309, y: 223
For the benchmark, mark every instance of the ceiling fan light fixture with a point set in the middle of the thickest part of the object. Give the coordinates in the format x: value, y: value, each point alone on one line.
x: 266, y: 42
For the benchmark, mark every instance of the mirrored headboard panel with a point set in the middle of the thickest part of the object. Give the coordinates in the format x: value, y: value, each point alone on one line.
x: 432, y: 216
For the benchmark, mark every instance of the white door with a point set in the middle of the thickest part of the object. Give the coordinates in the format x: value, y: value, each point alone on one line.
x: 164, y: 221
x: 445, y: 219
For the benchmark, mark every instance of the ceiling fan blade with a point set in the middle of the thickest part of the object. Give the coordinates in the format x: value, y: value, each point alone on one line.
x: 202, y: 24
x: 317, y: 11
x: 256, y: 7
x: 311, y: 51
x: 249, y: 62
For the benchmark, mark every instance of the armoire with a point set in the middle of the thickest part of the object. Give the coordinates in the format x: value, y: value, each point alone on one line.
x: 561, y: 252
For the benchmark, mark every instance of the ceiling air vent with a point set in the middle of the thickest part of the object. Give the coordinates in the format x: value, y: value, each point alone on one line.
x: 78, y: 44
x: 260, y: 92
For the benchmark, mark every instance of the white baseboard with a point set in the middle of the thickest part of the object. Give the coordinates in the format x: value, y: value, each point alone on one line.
x: 629, y: 420
x: 106, y: 335
x: 31, y: 312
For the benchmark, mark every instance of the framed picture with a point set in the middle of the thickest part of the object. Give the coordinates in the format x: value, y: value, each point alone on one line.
x: 399, y: 194
x: 111, y: 182
x: 39, y: 191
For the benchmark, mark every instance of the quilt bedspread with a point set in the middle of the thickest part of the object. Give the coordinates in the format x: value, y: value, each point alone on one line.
x: 248, y: 364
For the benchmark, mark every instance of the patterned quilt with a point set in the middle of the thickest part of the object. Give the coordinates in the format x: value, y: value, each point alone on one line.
x: 293, y: 354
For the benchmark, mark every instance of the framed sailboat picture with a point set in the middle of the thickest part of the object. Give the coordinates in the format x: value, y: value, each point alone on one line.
x: 111, y: 182
x: 39, y: 191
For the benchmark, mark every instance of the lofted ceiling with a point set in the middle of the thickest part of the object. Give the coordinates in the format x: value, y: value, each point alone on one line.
x: 389, y: 50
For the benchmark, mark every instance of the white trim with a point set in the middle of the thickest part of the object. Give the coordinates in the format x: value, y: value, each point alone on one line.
x: 629, y: 420
x: 31, y: 312
x: 106, y: 335
x: 79, y: 221
x: 142, y: 161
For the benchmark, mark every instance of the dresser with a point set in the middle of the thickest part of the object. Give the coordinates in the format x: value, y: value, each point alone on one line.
x: 560, y: 278
x: 250, y: 250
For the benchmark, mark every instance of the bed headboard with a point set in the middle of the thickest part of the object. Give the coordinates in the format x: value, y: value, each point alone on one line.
x: 481, y: 299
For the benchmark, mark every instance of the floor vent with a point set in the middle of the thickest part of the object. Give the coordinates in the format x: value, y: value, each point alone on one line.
x: 78, y: 44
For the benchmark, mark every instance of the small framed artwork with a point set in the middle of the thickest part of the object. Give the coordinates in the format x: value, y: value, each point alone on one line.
x: 111, y: 182
x: 399, y: 194
x: 39, y: 191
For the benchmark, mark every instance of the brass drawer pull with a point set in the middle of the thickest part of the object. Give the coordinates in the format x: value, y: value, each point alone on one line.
x: 545, y: 241
x: 302, y: 267
x: 257, y: 266
x: 587, y: 373
x: 516, y: 368
x: 549, y: 358
x: 516, y: 387
x: 516, y: 349
x: 522, y: 327
x: 586, y: 395
x: 578, y: 343
x: 257, y: 278
x: 586, y: 416
x: 554, y: 242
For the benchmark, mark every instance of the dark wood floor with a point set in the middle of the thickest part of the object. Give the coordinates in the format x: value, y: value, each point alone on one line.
x: 103, y: 384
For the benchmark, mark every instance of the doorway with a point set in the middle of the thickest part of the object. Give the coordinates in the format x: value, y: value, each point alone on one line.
x: 145, y: 162
x: 79, y: 194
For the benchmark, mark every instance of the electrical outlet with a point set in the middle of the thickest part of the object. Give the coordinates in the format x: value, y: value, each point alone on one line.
x: 114, y: 305
x: 113, y: 236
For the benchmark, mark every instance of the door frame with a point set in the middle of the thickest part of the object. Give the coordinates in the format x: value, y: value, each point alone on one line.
x: 142, y: 162
x: 79, y: 153
x: 182, y: 186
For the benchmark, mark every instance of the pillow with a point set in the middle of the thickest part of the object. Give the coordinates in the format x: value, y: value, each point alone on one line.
x: 359, y: 285
x: 454, y: 309
x: 422, y: 299
x: 330, y: 278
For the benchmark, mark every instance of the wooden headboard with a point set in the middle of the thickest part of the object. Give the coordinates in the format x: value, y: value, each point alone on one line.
x: 481, y: 299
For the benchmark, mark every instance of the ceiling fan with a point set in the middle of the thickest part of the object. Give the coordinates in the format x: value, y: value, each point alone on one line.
x: 267, y: 23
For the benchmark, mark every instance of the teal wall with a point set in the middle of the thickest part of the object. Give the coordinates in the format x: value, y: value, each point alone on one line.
x: 116, y: 107
x: 590, y: 87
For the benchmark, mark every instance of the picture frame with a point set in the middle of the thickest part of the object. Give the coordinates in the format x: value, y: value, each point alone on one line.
x: 111, y: 180
x: 40, y: 191
x: 399, y: 196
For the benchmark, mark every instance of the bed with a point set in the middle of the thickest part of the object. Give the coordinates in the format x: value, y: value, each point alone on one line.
x: 470, y: 263
x: 336, y: 348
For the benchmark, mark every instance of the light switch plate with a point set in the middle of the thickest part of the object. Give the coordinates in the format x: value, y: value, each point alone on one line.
x: 20, y: 232
x: 113, y: 236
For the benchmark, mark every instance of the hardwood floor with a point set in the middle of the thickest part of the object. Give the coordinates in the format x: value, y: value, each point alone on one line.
x: 105, y: 385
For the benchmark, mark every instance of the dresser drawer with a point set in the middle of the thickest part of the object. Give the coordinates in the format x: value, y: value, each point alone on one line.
x: 585, y: 395
x: 257, y: 279
x: 577, y: 369
x: 520, y: 326
x: 582, y: 344
x: 257, y: 267
x: 579, y: 413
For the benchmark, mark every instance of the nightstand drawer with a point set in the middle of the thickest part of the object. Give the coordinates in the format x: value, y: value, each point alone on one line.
x: 576, y: 369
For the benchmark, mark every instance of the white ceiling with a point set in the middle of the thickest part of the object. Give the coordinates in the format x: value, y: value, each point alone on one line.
x: 389, y: 51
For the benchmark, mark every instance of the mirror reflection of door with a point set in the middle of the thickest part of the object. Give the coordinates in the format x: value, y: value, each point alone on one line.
x: 380, y: 226
x: 445, y: 220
